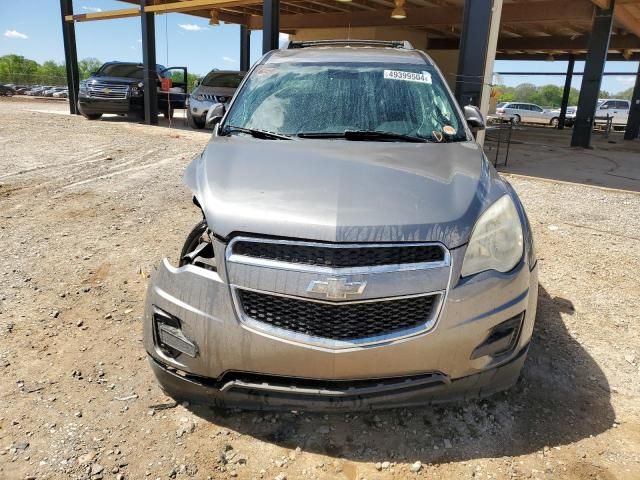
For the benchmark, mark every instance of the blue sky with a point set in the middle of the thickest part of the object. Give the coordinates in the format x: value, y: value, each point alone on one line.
x: 183, y: 40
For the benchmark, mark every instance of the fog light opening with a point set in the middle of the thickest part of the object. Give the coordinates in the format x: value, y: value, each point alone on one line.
x: 169, y: 336
x: 502, y: 339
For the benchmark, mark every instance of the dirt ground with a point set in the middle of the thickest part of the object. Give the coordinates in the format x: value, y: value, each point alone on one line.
x: 88, y: 209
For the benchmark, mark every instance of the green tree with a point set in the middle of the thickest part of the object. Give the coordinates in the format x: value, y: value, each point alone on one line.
x: 87, y: 66
x: 17, y: 69
x: 52, y: 73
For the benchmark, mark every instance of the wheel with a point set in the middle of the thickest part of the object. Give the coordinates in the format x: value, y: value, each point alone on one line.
x: 9, y: 93
x: 193, y: 121
x: 554, y: 122
x: 92, y: 116
x: 194, y: 239
x: 516, y: 119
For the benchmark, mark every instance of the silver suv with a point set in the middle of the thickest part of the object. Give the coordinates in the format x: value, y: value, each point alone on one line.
x: 218, y: 86
x: 357, y: 250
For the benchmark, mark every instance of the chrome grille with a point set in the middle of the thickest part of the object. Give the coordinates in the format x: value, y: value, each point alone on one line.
x: 337, y: 295
x: 107, y: 90
x: 211, y: 98
x: 347, y: 321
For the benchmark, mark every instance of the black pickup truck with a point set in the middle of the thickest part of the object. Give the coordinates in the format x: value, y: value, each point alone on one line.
x: 117, y: 87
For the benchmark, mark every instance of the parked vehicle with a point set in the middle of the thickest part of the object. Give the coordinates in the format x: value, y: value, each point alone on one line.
x: 616, y: 108
x: 570, y: 116
x: 218, y: 86
x: 118, y: 87
x: 6, y: 91
x: 519, y: 112
x: 22, y: 90
x: 37, y: 90
x: 52, y: 91
x: 61, y: 94
x: 357, y: 249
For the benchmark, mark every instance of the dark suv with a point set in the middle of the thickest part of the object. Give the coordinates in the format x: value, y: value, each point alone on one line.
x: 117, y: 87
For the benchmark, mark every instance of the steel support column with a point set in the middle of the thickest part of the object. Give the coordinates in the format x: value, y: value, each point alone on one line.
x: 592, y: 78
x: 149, y: 64
x: 474, y: 41
x: 633, y: 124
x: 70, y: 55
x: 245, y: 48
x: 270, y: 25
x: 566, y: 93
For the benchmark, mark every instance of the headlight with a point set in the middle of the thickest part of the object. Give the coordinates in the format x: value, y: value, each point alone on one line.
x: 496, y: 242
x: 83, y: 86
x: 135, y: 91
x: 200, y: 97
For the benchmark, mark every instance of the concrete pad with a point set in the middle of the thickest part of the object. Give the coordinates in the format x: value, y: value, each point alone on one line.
x: 545, y: 153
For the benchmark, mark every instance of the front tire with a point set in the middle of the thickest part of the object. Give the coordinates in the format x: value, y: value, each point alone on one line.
x: 193, y: 240
x: 516, y: 119
x: 194, y: 122
x: 555, y: 121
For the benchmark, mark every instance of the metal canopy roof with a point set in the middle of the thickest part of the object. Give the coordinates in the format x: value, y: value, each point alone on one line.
x: 529, y: 28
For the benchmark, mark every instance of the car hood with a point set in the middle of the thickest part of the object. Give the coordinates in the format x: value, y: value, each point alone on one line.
x: 218, y: 91
x: 343, y: 191
x: 119, y: 80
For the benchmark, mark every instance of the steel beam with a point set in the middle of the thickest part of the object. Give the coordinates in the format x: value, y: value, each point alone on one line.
x: 270, y: 25
x: 565, y: 93
x: 70, y: 55
x: 474, y: 42
x: 592, y: 79
x: 632, y: 130
x: 150, y: 76
x: 245, y: 48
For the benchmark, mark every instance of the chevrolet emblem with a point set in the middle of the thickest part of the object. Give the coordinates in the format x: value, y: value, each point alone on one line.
x: 336, y: 288
x: 106, y: 90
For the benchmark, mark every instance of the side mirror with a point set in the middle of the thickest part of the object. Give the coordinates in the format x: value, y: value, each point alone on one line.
x: 474, y: 118
x: 215, y: 114
x: 197, y: 82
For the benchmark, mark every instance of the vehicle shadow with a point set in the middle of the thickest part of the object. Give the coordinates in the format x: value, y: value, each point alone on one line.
x: 562, y: 397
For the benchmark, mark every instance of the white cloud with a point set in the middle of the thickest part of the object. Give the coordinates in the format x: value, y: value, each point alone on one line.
x: 630, y: 80
x: 190, y: 27
x: 92, y: 9
x: 15, y: 34
x: 229, y: 60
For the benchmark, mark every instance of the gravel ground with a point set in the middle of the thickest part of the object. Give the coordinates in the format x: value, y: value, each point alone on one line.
x: 87, y: 209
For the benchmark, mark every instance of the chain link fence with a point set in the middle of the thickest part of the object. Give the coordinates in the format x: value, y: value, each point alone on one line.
x: 27, y: 79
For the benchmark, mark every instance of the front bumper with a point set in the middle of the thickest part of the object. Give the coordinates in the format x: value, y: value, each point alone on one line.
x: 202, y: 301
x: 199, y: 108
x: 264, y: 396
x: 91, y: 105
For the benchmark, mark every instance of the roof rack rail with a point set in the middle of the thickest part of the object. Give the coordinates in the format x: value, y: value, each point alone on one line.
x: 357, y: 43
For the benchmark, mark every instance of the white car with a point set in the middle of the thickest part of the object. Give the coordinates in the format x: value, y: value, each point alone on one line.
x: 519, y: 112
x: 616, y: 108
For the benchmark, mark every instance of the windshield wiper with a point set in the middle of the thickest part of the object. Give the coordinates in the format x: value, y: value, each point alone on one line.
x: 364, y: 135
x: 254, y: 132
